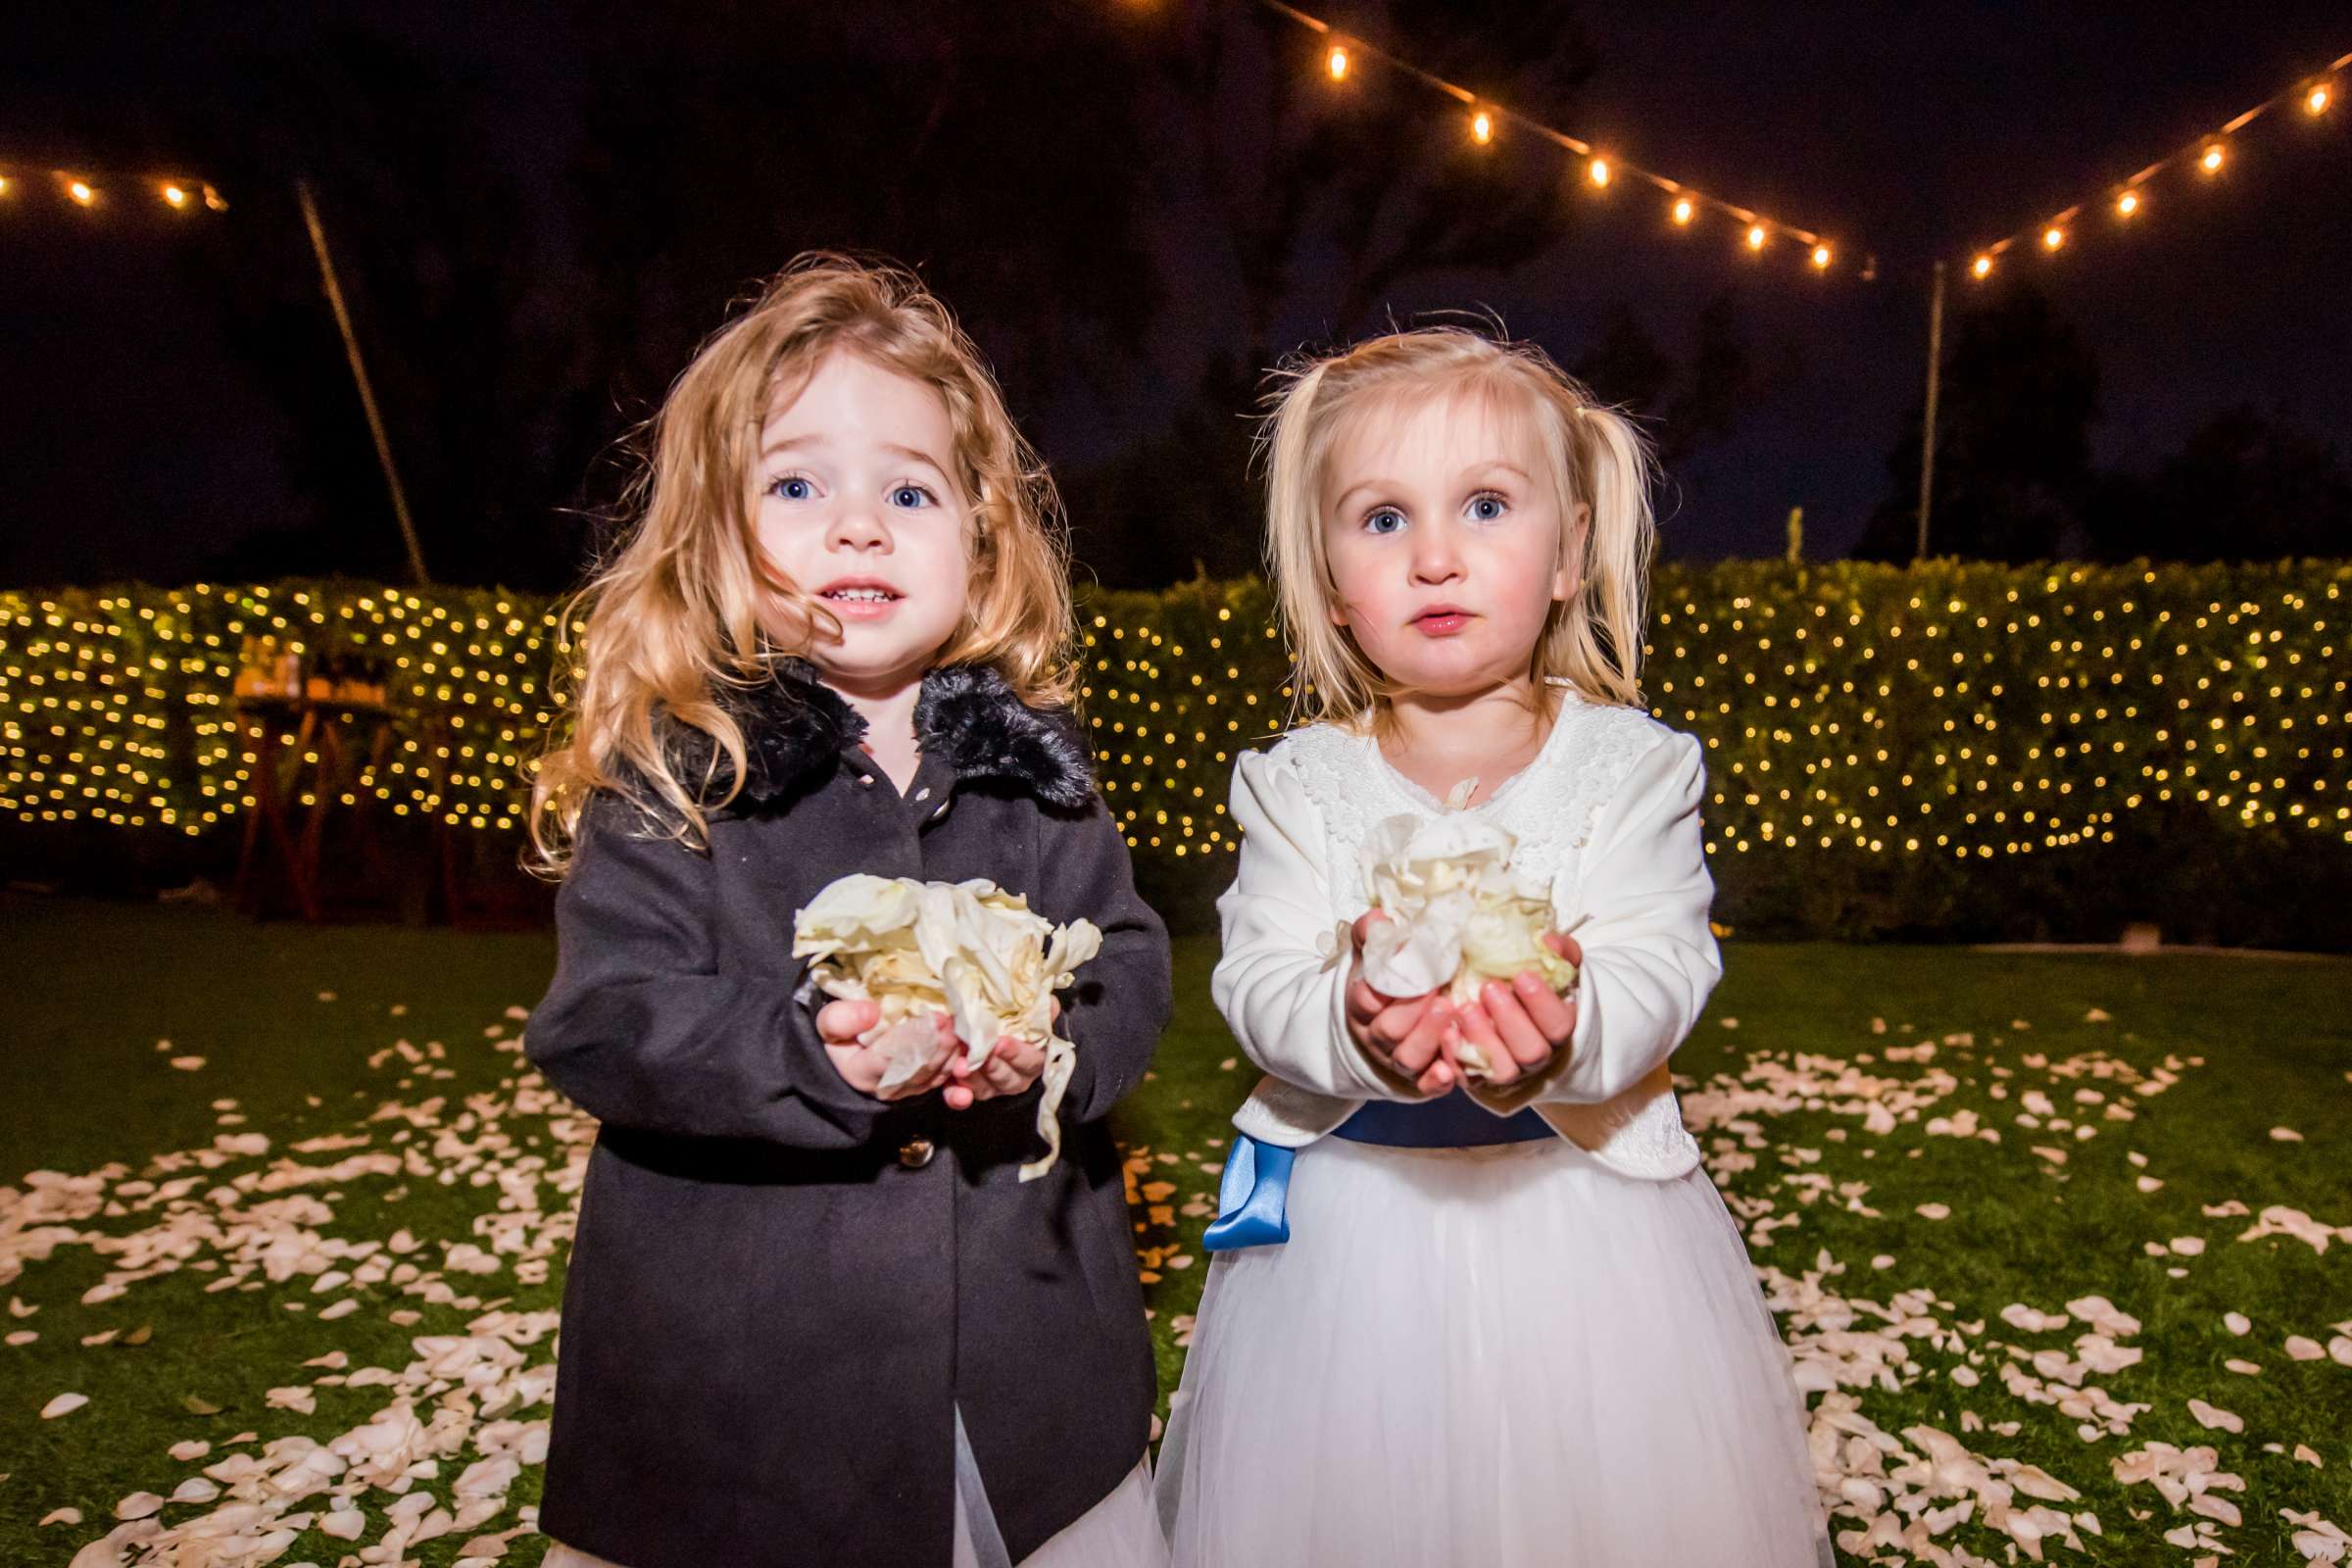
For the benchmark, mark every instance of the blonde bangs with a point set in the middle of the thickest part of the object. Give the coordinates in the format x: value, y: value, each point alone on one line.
x: 1594, y: 456
x: 673, y: 616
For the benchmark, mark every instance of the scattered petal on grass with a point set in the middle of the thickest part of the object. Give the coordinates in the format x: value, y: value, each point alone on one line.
x: 138, y: 1505
x: 62, y: 1516
x: 187, y: 1063
x: 64, y: 1405
x: 2302, y: 1348
x: 2187, y: 1246
x: 2096, y: 1015
x: 2244, y: 1369
x: 1933, y: 1211
x: 2215, y: 1418
x: 24, y: 1337
x: 2285, y: 1135
x: 2236, y: 1322
x: 192, y: 1448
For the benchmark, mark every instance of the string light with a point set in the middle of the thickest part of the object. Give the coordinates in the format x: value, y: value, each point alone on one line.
x: 88, y: 188
x: 1821, y: 257
x: 1486, y: 122
x: 2207, y: 153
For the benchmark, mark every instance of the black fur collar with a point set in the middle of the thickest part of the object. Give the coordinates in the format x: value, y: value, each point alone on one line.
x: 966, y: 716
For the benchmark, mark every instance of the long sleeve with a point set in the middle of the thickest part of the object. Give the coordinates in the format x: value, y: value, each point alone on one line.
x: 1640, y: 909
x: 641, y: 1029
x: 1280, y: 988
x: 1120, y: 1001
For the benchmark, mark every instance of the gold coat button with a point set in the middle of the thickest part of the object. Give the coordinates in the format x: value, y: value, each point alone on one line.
x: 915, y: 1153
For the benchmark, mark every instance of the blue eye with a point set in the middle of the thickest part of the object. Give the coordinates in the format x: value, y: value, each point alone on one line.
x: 1487, y: 507
x: 792, y: 487
x: 1380, y: 517
x: 912, y: 496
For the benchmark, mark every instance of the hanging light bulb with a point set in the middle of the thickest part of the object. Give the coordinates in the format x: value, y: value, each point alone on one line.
x: 1982, y: 266
x: 1481, y: 127
x: 2315, y: 100
x: 1336, y: 62
x: 82, y: 191
x: 1755, y: 236
x: 174, y: 197
x: 1598, y: 171
x: 1821, y: 257
x: 1684, y: 209
x: 2211, y: 162
x: 2127, y: 204
x: 2052, y: 237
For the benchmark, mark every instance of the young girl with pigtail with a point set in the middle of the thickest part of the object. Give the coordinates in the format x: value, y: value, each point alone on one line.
x: 1475, y: 1299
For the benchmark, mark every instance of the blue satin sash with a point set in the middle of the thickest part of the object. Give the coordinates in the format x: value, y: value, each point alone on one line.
x: 1253, y: 1192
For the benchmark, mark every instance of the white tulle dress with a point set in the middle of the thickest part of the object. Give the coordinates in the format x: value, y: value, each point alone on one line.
x: 1542, y: 1354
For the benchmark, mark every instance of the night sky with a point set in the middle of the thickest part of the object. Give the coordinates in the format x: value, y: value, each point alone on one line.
x: 139, y: 441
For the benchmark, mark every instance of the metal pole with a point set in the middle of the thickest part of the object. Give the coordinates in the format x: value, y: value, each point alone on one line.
x: 1926, y: 434
x: 358, y: 375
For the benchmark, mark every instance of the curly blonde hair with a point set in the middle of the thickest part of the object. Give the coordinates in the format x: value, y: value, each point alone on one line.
x: 1594, y: 454
x: 671, y: 619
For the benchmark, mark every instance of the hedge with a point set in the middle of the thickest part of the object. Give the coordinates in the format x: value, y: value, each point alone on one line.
x: 1955, y: 747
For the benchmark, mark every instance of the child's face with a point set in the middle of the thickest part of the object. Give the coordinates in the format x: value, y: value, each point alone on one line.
x: 1444, y: 542
x: 855, y: 501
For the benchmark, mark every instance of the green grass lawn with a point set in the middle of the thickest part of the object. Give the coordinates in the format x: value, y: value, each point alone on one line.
x: 358, y: 1202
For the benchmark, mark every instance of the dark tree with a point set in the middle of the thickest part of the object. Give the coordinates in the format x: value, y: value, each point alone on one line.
x: 1370, y: 180
x: 2012, y: 475
x: 2243, y: 487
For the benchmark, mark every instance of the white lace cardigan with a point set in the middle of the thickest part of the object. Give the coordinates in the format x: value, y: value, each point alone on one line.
x: 1606, y: 816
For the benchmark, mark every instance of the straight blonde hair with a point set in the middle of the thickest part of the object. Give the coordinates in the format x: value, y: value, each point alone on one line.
x: 671, y: 616
x: 1593, y: 455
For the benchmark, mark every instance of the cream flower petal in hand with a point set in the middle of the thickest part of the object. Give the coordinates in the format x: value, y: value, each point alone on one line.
x: 1458, y: 915
x: 969, y: 950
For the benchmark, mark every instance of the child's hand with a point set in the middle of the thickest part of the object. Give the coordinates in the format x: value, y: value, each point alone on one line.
x: 840, y: 1023
x: 1011, y: 1067
x: 1519, y: 1027
x: 1406, y: 1033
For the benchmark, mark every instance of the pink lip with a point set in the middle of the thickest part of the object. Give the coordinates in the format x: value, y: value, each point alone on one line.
x: 1440, y: 621
x: 860, y: 609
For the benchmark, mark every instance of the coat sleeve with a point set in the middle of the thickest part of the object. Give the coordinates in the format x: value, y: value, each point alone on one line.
x: 1121, y: 997
x: 1639, y: 911
x: 1281, y: 980
x: 641, y: 1029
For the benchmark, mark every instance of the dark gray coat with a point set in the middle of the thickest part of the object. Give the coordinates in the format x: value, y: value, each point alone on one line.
x: 782, y: 1289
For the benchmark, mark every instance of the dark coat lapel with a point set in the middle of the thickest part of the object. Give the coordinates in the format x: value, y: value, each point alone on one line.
x: 795, y: 727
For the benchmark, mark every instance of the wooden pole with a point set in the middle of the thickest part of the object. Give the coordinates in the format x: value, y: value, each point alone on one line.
x: 1796, y: 533
x: 358, y: 376
x: 1926, y: 434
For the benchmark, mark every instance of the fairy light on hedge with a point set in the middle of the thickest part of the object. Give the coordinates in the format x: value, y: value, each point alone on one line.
x: 1958, y: 711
